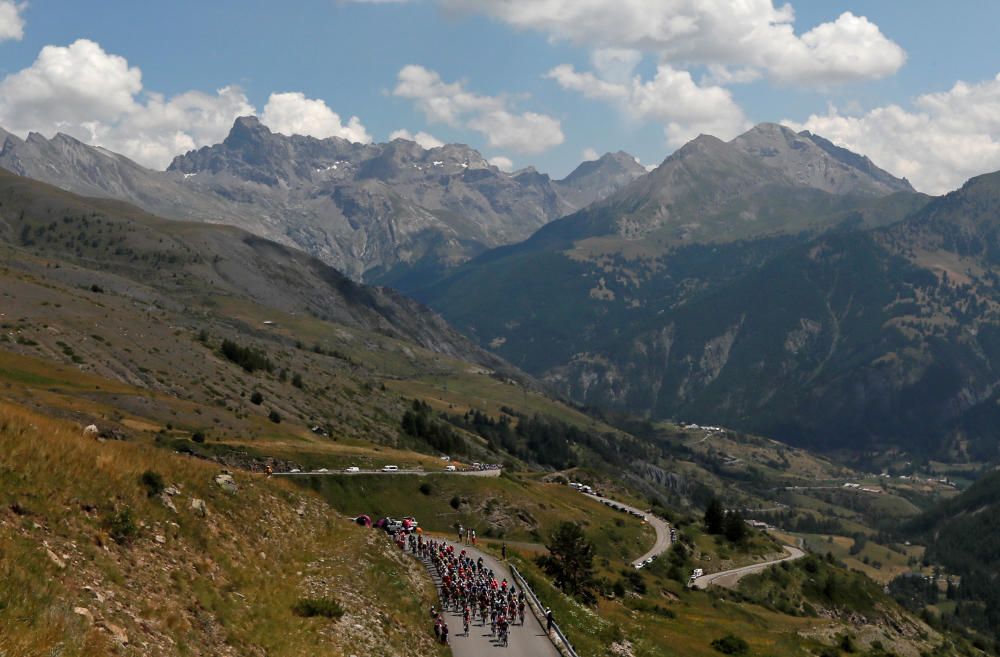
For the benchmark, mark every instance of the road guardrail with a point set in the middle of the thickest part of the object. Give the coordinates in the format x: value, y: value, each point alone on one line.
x: 562, y: 644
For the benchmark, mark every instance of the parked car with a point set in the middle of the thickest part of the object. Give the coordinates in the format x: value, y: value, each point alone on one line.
x: 322, y: 470
x: 450, y: 468
x: 294, y: 471
x: 390, y: 468
x: 352, y: 468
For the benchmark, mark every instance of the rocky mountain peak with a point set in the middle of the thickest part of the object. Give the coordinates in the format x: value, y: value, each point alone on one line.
x: 815, y: 162
x: 602, y: 177
x: 246, y: 129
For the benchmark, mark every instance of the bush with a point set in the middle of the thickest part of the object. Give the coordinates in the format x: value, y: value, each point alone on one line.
x: 425, y: 488
x: 248, y: 358
x: 310, y: 607
x: 153, y: 482
x: 96, y: 288
x: 455, y: 502
x: 731, y: 645
x: 297, y: 380
x: 274, y: 416
x: 256, y: 398
x: 198, y: 436
x: 122, y: 528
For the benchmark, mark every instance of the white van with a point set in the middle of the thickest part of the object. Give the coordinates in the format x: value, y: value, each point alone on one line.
x: 390, y: 468
x: 449, y: 468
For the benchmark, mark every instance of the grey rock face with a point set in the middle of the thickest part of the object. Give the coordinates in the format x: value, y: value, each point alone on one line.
x: 361, y: 208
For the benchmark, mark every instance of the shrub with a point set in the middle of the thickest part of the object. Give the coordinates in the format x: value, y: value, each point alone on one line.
x: 731, y: 645
x: 96, y: 288
x: 198, y: 436
x: 256, y: 398
x: 297, y: 380
x: 274, y: 416
x: 455, y: 502
x: 122, y: 528
x: 425, y: 488
x: 248, y: 358
x: 310, y: 607
x: 153, y: 482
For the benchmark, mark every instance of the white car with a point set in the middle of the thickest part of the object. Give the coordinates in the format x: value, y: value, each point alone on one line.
x: 449, y: 468
x: 390, y: 468
x: 352, y: 468
x: 322, y: 470
x: 295, y: 471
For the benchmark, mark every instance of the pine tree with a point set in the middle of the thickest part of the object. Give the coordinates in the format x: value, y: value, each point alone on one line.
x: 571, y: 561
x: 715, y: 516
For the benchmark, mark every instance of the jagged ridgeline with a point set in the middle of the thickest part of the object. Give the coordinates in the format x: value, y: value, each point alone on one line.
x: 382, y: 212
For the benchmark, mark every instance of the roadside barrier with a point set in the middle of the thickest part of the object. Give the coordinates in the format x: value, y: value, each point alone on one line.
x: 559, y: 639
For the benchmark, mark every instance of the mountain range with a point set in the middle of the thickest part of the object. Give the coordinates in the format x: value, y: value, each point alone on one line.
x: 772, y: 283
x: 775, y: 283
x: 364, y: 209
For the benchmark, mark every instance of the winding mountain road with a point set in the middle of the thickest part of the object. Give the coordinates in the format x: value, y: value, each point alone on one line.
x: 419, y: 473
x: 659, y: 525
x: 730, y: 578
x: 529, y: 640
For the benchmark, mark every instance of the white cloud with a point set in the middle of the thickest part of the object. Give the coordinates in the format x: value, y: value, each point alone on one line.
x: 424, y: 139
x: 749, y: 33
x: 502, y: 163
x: 291, y: 113
x: 11, y: 20
x: 69, y: 85
x: 589, y: 154
x: 452, y: 104
x: 943, y: 140
x: 98, y: 97
x: 672, y: 98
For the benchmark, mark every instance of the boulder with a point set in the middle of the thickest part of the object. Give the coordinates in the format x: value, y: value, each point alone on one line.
x: 117, y: 633
x: 199, y: 507
x: 167, y: 502
x: 85, y: 614
x: 226, y: 482
x: 54, y: 558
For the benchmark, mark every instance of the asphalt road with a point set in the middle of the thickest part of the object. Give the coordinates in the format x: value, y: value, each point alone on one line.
x: 729, y: 578
x: 527, y: 641
x: 419, y: 473
x: 661, y: 526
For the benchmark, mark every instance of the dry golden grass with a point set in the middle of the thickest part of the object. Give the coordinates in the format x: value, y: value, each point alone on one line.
x: 220, y: 585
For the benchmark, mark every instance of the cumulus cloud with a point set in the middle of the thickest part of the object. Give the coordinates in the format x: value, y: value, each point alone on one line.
x: 502, y: 163
x: 98, y: 97
x: 424, y: 139
x: 944, y: 139
x: 11, y: 20
x: 671, y: 97
x: 452, y: 104
x: 750, y: 33
x: 589, y: 154
x: 291, y: 113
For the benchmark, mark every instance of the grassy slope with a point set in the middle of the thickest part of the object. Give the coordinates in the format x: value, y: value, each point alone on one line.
x: 220, y: 585
x: 517, y: 509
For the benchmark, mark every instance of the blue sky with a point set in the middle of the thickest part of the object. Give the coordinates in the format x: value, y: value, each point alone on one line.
x: 520, y: 81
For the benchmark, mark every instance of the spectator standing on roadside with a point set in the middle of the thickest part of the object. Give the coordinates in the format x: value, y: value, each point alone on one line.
x: 503, y: 551
x: 549, y: 622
